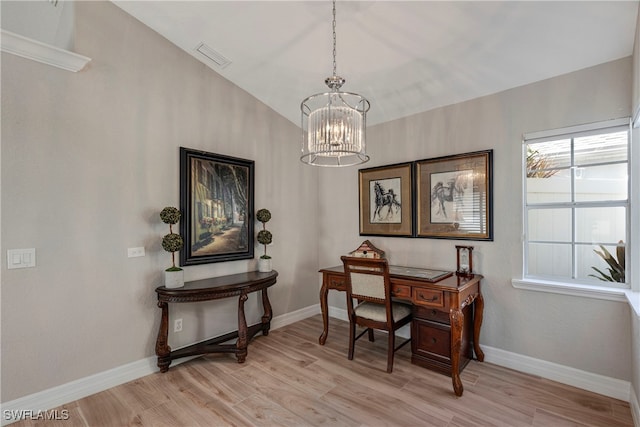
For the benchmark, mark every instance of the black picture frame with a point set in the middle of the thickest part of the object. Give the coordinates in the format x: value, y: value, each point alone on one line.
x: 454, y: 196
x: 217, y: 203
x: 386, y: 200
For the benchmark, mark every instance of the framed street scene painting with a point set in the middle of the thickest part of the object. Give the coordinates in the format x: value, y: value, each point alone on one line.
x: 216, y: 200
x: 386, y: 200
x: 454, y: 196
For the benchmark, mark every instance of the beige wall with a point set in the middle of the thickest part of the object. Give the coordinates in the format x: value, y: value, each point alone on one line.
x: 41, y: 21
x: 89, y: 160
x: 587, y: 334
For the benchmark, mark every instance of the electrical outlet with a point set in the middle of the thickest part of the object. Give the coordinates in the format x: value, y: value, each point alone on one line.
x: 135, y: 252
x: 177, y: 325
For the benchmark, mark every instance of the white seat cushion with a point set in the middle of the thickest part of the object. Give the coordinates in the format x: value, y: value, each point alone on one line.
x: 378, y: 312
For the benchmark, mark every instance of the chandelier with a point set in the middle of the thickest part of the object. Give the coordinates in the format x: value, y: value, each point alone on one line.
x: 334, y: 123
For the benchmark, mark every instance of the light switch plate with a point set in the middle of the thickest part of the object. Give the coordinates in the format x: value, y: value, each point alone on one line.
x: 21, y: 258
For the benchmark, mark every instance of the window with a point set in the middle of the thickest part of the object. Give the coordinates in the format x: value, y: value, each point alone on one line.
x: 576, y: 214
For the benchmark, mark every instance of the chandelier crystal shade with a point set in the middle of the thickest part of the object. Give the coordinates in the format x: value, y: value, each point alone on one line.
x: 334, y: 123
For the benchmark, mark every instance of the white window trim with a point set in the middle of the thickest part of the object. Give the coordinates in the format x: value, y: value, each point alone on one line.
x: 630, y: 296
x: 578, y: 289
x: 575, y: 289
x: 633, y: 297
x: 587, y: 291
x: 555, y: 133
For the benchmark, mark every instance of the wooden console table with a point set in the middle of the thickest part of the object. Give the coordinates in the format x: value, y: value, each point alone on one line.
x: 239, y: 285
x: 447, y: 316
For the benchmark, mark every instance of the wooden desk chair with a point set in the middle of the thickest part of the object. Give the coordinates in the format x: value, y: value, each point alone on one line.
x: 367, y: 280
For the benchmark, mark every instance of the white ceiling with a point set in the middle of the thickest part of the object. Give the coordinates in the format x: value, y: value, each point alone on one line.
x: 404, y: 56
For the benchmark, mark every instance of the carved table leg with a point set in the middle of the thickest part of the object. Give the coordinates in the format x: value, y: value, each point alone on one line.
x: 324, y: 292
x: 477, y: 323
x: 163, y: 351
x: 268, y: 315
x: 457, y: 320
x: 242, y: 342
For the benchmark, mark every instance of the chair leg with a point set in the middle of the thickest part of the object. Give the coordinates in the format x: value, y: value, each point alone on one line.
x: 352, y: 338
x: 391, y: 351
x: 371, y: 335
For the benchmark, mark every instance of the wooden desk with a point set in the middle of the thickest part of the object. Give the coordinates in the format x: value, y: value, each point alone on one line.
x: 447, y: 316
x: 239, y: 285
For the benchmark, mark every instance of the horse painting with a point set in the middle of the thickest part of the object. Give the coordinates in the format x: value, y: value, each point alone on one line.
x: 452, y: 192
x: 388, y: 199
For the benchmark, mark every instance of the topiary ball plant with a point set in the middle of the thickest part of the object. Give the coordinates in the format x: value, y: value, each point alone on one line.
x: 171, y: 242
x: 264, y: 236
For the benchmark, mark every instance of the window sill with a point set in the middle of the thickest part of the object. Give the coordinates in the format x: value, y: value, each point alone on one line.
x: 598, y: 292
x: 634, y: 300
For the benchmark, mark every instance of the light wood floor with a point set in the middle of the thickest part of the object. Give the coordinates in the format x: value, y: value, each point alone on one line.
x: 290, y: 380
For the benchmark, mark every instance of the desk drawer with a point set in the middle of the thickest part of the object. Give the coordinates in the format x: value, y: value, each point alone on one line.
x: 431, y: 340
x: 336, y: 282
x: 428, y: 297
x: 401, y: 291
x: 433, y: 314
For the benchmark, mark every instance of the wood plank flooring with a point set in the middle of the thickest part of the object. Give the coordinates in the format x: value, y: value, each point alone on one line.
x: 290, y: 380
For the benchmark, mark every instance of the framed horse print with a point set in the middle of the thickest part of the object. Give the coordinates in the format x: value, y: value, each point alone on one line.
x: 454, y: 197
x: 386, y: 200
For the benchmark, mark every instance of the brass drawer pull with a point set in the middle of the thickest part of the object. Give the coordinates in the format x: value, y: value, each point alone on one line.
x: 433, y: 299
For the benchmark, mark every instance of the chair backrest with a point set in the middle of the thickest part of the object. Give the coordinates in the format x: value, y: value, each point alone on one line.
x: 367, y: 279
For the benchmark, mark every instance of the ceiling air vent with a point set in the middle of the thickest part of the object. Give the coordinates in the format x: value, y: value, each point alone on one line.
x: 212, y: 55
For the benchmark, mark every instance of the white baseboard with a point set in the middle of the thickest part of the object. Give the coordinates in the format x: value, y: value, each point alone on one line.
x: 338, y: 313
x: 65, y: 393
x: 600, y: 384
x: 14, y: 410
x: 74, y: 390
x: 612, y: 387
x: 295, y: 316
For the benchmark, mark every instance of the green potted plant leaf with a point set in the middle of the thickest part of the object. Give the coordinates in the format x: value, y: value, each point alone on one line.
x: 616, y: 267
x: 172, y: 242
x: 264, y: 238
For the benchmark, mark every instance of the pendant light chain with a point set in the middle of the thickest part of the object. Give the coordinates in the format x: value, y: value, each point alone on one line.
x: 334, y: 38
x: 334, y: 123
